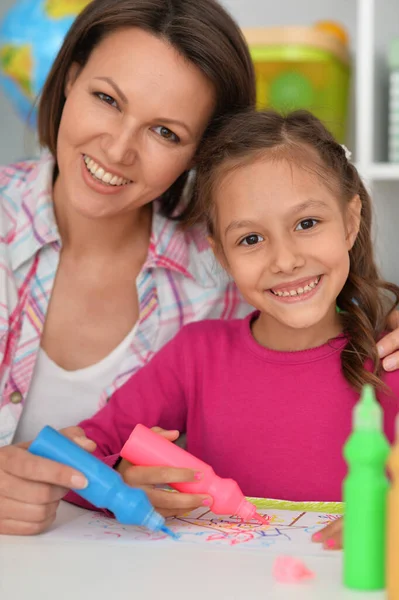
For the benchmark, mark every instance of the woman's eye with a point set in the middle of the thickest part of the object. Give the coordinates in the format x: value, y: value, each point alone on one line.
x: 251, y: 240
x: 306, y: 224
x: 106, y: 98
x: 167, y: 134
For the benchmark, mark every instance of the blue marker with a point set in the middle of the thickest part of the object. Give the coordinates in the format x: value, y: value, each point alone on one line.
x: 106, y: 488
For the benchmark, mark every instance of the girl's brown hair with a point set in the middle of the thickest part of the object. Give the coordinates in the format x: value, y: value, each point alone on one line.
x: 366, y: 299
x: 200, y: 30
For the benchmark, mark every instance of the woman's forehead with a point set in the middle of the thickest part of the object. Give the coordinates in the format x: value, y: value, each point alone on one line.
x: 147, y: 67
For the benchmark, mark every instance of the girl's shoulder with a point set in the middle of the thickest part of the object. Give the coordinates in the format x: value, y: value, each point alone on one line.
x: 215, y: 335
x: 391, y: 379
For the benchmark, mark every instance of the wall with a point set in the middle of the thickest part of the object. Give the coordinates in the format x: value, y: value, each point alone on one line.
x: 16, y: 141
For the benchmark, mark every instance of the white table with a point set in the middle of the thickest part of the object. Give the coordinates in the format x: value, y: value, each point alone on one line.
x: 37, y: 568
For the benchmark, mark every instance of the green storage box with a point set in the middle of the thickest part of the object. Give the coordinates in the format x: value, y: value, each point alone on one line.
x: 303, y: 67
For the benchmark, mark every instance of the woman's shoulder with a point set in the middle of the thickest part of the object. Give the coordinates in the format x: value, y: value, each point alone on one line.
x: 15, y: 174
x: 22, y: 182
x: 187, y: 249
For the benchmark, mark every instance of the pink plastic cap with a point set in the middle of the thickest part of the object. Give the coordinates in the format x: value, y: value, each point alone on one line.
x: 287, y: 569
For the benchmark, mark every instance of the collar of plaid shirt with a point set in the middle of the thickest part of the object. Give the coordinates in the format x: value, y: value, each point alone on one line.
x: 36, y: 226
x: 180, y: 282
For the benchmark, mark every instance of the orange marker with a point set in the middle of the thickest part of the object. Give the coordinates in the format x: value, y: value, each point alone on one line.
x: 393, y: 522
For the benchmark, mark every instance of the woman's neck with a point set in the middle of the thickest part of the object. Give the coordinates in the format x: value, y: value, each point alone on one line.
x: 83, y: 236
x: 273, y: 334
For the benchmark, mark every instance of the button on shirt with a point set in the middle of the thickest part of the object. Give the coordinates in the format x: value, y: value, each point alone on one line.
x: 180, y: 282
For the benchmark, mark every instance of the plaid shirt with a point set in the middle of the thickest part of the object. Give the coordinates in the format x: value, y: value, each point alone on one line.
x: 180, y: 282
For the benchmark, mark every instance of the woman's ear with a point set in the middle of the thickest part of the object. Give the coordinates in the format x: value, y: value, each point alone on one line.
x: 353, y: 220
x: 71, y: 77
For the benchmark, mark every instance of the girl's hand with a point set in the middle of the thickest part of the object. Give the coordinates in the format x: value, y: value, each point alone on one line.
x: 167, y: 503
x: 31, y: 487
x: 330, y: 536
x: 388, y: 346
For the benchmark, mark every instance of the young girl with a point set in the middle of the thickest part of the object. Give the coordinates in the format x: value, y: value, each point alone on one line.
x: 268, y: 400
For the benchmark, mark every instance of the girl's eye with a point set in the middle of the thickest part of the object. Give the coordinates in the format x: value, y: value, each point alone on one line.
x: 251, y: 240
x: 306, y: 224
x: 106, y: 98
x: 167, y: 134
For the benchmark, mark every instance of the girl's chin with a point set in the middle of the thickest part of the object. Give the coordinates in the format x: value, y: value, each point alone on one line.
x: 297, y: 316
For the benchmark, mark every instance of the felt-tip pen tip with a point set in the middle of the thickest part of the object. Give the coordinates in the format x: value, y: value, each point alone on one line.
x: 169, y: 532
x: 261, y: 519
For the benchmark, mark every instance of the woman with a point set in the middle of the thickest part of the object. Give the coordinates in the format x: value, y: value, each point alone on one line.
x: 95, y: 276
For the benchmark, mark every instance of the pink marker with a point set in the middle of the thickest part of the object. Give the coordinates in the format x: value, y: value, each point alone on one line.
x: 146, y: 448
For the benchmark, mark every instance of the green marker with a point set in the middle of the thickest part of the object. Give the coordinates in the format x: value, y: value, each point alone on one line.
x: 365, y: 495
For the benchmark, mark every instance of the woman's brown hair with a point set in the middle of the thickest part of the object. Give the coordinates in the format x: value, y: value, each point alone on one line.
x: 366, y: 299
x: 200, y: 30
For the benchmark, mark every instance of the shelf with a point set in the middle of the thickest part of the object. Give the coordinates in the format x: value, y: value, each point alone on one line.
x: 379, y: 171
x: 384, y: 171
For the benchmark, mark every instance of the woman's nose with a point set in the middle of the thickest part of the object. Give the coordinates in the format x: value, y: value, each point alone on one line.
x: 120, y: 147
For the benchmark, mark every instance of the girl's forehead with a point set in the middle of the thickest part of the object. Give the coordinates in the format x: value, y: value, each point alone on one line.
x: 272, y: 175
x: 268, y: 187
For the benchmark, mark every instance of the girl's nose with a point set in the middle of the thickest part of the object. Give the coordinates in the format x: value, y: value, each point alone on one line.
x: 286, y: 257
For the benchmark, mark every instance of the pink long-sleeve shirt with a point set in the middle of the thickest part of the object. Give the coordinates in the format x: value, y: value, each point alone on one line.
x: 275, y: 422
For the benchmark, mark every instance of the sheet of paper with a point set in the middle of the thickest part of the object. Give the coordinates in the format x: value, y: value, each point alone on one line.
x: 287, y: 531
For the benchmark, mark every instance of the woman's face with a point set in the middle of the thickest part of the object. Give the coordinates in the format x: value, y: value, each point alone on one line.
x: 133, y: 118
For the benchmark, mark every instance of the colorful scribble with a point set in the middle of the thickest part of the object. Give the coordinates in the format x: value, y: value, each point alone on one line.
x: 285, y: 530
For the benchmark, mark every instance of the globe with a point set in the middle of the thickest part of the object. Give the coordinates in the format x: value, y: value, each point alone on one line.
x: 31, y: 34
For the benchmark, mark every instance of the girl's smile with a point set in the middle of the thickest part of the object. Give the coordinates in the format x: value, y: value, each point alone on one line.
x: 297, y: 291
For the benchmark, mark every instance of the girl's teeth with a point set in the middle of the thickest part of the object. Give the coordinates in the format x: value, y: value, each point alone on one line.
x: 307, y: 288
x: 104, y: 176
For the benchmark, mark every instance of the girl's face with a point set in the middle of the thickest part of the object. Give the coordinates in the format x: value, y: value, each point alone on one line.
x: 285, y: 239
x: 133, y: 118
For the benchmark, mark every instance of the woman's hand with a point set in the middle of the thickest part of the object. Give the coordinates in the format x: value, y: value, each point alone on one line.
x: 330, y: 536
x: 167, y: 503
x: 31, y: 487
x: 388, y: 346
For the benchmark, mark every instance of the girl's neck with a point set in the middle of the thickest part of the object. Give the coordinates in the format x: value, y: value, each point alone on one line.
x: 270, y: 333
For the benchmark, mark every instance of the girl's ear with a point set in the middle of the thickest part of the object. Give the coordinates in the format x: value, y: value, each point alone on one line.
x: 71, y: 77
x: 353, y: 220
x: 218, y: 252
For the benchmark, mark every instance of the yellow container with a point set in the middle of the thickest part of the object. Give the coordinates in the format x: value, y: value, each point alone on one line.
x: 303, y: 67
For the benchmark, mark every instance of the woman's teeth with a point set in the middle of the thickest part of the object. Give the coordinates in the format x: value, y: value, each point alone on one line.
x: 104, y: 176
x: 298, y: 291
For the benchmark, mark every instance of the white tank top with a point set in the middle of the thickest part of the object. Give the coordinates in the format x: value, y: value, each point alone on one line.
x: 62, y: 398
